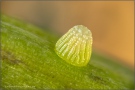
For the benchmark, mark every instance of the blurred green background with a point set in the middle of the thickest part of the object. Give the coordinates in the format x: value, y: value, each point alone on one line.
x: 111, y: 22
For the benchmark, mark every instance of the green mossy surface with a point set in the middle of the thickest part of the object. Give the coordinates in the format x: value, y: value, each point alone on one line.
x: 30, y: 62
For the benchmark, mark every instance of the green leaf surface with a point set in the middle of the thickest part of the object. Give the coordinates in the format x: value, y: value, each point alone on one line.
x: 30, y: 62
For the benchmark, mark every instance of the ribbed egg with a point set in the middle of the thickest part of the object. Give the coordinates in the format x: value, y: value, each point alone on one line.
x: 75, y: 46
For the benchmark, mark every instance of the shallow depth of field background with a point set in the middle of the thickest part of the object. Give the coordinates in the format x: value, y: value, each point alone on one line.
x: 111, y: 22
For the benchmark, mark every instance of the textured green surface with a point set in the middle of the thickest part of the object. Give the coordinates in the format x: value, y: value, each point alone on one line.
x: 29, y: 61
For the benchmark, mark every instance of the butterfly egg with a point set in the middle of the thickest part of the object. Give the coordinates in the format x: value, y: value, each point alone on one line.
x: 75, y: 46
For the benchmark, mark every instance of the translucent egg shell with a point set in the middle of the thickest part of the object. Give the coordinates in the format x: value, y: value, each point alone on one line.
x: 75, y: 47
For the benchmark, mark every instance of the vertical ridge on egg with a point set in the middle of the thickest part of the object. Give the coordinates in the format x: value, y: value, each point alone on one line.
x: 75, y: 46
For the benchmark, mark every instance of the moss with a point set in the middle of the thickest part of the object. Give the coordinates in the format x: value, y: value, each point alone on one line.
x: 30, y: 62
